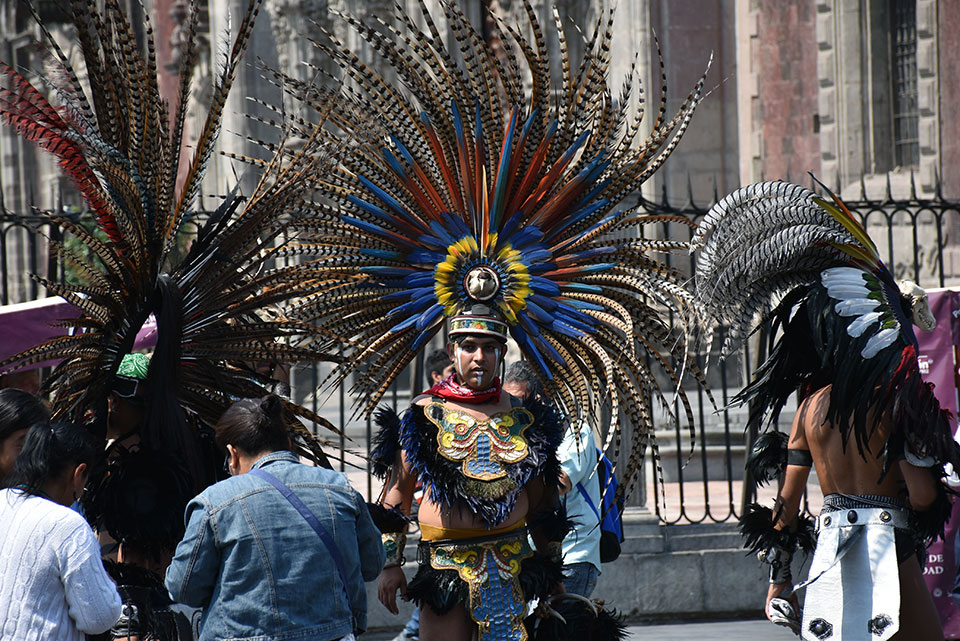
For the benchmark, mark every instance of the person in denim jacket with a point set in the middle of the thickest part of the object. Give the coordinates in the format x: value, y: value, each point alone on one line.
x: 252, y: 562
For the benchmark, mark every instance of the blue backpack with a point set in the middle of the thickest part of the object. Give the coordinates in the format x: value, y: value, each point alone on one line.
x: 610, y: 514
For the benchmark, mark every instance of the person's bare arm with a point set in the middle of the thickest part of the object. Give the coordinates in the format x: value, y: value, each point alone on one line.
x: 400, y: 485
x: 794, y: 480
x: 398, y: 494
x: 921, y: 486
x: 787, y: 506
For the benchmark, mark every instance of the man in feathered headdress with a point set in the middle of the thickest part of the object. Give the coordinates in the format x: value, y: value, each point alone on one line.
x: 874, y: 432
x: 489, y: 469
x: 464, y: 180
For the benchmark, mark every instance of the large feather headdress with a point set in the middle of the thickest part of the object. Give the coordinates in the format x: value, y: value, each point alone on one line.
x: 471, y: 179
x: 123, y: 148
x: 777, y: 251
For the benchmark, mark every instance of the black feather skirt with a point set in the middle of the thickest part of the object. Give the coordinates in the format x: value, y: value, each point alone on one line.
x: 444, y: 589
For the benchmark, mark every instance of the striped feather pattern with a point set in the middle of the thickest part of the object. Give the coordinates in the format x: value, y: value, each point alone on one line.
x: 122, y: 148
x: 468, y: 158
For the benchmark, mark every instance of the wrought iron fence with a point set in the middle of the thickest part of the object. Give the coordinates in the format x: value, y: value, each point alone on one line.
x: 699, y: 479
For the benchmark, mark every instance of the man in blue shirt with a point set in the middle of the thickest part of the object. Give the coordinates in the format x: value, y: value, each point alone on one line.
x: 250, y: 557
x: 581, y: 546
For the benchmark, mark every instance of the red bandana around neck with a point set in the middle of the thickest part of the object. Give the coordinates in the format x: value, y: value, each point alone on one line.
x: 450, y: 389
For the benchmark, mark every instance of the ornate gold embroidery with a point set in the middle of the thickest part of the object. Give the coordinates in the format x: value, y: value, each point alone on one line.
x: 483, y: 446
x: 491, y: 570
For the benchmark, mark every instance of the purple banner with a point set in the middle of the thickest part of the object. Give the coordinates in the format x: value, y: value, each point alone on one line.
x: 938, y: 364
x: 26, y: 325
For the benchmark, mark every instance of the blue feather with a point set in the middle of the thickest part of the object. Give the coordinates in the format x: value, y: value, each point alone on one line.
x: 432, y: 241
x: 442, y: 233
x: 412, y: 307
x: 428, y: 317
x: 584, y: 288
x: 597, y: 166
x: 372, y: 209
x: 382, y: 254
x: 403, y: 325
x: 376, y: 230
x: 529, y: 123
x: 457, y: 122
x: 597, y: 267
x: 425, y: 256
x: 579, y: 216
x: 590, y: 195
x: 544, y: 286
x: 572, y: 149
x: 419, y: 279
x: 567, y: 330
x: 383, y: 196
x: 422, y: 338
x: 530, y: 350
x: 384, y: 271
x: 393, y: 162
x: 404, y: 294
x: 509, y: 227
x: 539, y: 268
x: 502, y: 177
x: 538, y: 313
x: 477, y: 124
x: 551, y: 352
x: 526, y: 236
x: 545, y: 303
x: 600, y: 223
x: 403, y: 150
x: 582, y: 304
x: 456, y: 225
x: 528, y: 325
x: 531, y: 256
x: 577, y: 319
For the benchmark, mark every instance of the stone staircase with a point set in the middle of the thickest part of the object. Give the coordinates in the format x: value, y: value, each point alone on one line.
x: 686, y: 571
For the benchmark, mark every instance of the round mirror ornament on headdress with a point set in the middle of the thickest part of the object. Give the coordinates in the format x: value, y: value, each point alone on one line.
x: 481, y: 283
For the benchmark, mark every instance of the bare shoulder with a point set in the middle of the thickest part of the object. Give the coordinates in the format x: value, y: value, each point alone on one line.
x: 815, y: 408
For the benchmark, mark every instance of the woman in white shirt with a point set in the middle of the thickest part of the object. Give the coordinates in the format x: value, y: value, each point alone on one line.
x: 52, y: 581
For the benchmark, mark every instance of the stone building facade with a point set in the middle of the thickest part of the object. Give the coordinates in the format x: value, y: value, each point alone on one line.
x: 846, y: 89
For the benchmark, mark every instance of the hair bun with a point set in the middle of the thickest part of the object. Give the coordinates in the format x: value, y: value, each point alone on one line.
x: 272, y: 407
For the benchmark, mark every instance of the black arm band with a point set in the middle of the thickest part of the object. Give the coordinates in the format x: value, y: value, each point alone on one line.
x: 799, y: 457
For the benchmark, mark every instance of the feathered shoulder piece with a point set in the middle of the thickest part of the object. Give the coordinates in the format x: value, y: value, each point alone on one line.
x: 804, y: 262
x: 768, y: 457
x: 386, y: 442
x: 468, y: 178
x: 125, y: 149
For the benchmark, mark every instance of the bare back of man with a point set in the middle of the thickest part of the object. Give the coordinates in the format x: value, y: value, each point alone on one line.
x: 844, y: 470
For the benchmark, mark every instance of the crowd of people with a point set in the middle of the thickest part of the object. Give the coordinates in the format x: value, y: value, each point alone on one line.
x: 275, y: 529
x: 461, y: 194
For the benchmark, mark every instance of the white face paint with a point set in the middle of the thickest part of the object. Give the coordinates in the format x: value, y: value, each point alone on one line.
x: 919, y: 305
x: 476, y: 361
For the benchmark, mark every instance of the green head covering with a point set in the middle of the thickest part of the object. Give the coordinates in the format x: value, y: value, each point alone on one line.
x: 133, y: 369
x: 134, y: 366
